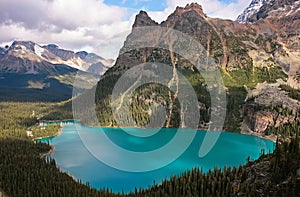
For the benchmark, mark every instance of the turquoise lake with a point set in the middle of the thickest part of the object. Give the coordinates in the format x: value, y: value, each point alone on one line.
x: 72, y: 156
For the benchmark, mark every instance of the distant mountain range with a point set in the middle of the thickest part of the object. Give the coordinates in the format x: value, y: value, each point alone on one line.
x: 31, y: 58
x: 31, y: 72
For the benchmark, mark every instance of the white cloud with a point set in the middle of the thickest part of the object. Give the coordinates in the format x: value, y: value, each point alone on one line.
x: 89, y: 24
x: 213, y: 8
x: 73, y: 24
x: 84, y: 13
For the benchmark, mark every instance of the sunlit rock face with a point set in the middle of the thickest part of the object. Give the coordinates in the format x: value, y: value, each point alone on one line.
x: 262, y: 46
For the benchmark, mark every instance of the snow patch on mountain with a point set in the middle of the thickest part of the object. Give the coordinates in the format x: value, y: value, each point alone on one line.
x: 39, y: 51
x: 33, y: 56
x: 252, y: 9
x: 293, y: 8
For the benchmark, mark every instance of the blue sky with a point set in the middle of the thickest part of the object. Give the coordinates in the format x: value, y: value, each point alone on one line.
x: 149, y: 5
x: 98, y: 26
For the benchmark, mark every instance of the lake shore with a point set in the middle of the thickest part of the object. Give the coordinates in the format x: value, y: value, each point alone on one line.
x: 272, y: 137
x: 247, y: 131
x: 63, y: 156
x: 50, y: 152
x: 56, y: 134
x: 52, y: 147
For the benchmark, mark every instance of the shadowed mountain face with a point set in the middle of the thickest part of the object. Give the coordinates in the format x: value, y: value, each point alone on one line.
x: 251, y: 56
x: 30, y: 72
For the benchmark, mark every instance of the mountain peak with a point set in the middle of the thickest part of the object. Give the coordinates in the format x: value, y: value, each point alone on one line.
x: 143, y: 13
x: 251, y: 10
x: 259, y: 9
x: 189, y: 7
x: 82, y: 54
x: 52, y: 46
x: 26, y: 45
x: 142, y: 19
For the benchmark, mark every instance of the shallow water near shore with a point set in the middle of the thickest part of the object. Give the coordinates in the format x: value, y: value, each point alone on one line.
x: 73, y: 157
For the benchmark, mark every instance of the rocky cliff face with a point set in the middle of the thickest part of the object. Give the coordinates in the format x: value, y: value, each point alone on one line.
x: 280, y: 20
x: 269, y: 105
x: 262, y: 50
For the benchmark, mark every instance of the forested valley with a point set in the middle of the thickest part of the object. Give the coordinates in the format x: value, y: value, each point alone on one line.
x: 26, y: 172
